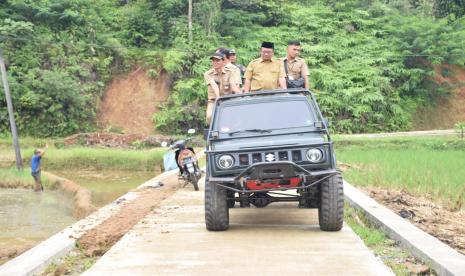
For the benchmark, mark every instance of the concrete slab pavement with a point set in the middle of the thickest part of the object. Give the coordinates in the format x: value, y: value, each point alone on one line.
x: 277, y: 240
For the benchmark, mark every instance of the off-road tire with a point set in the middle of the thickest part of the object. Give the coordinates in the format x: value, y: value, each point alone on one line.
x: 331, y: 209
x: 216, y: 208
x: 231, y: 202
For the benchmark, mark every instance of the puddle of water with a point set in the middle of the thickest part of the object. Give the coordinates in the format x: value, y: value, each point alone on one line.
x: 105, y: 185
x: 27, y: 217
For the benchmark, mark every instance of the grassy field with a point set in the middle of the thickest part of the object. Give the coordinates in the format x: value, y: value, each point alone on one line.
x: 431, y: 166
x: 79, y: 157
x: 11, y: 177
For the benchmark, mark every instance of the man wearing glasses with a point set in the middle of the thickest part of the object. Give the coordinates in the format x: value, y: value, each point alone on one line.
x: 265, y: 73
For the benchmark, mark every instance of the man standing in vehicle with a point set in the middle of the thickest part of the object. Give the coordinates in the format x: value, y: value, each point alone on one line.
x: 265, y: 73
x: 220, y: 82
x: 233, y: 59
x: 236, y: 72
x: 295, y: 67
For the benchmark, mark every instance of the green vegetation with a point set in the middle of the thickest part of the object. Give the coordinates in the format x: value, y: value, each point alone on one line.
x: 370, y: 61
x: 460, y: 128
x: 58, y: 157
x: 74, y: 263
x: 79, y: 158
x: 422, y: 166
x: 386, y: 249
x: 11, y: 177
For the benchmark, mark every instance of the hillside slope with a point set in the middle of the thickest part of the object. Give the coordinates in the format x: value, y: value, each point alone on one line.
x: 130, y: 101
x: 449, y: 108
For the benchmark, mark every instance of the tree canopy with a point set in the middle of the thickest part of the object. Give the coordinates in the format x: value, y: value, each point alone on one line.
x: 370, y: 61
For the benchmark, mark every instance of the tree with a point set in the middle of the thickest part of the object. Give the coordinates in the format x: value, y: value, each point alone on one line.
x: 444, y: 8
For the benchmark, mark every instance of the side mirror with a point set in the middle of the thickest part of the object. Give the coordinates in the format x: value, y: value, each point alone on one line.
x: 205, y: 133
x: 164, y: 144
x: 191, y: 131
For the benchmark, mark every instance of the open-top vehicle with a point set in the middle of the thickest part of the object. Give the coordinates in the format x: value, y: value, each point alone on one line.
x: 262, y: 144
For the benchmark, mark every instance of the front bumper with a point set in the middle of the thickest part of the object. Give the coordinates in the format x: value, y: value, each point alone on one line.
x: 276, y: 170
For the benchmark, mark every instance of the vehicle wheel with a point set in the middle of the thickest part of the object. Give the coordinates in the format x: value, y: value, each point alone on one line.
x: 231, y: 202
x: 216, y: 208
x: 195, y: 181
x: 331, y: 209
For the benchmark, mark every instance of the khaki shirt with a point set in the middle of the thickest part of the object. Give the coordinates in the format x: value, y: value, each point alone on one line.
x: 236, y: 72
x: 296, y: 69
x: 264, y: 75
x: 224, y: 81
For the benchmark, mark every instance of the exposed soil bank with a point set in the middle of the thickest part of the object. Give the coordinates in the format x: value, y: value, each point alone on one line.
x: 130, y: 101
x: 438, y: 221
x: 448, y: 108
x: 114, y: 140
x: 14, y: 250
x: 99, y: 239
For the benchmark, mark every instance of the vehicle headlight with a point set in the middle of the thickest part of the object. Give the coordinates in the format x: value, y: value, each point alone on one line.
x: 314, y: 155
x: 225, y: 161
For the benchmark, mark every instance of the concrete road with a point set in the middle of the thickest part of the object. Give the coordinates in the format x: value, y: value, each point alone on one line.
x: 276, y: 240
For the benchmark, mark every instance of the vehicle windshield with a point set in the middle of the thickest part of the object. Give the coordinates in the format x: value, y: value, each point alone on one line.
x: 263, y: 116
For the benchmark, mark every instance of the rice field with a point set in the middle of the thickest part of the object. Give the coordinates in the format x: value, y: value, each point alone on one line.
x: 431, y: 167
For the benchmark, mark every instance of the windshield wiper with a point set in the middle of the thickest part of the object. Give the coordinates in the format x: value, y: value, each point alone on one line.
x: 250, y: 130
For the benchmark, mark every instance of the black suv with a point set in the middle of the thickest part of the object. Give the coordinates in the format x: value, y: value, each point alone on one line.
x: 261, y: 144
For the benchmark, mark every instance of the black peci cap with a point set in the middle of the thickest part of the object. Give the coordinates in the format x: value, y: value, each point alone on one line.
x: 269, y: 45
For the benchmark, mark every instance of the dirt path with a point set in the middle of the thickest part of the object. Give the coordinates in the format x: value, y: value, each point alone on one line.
x: 99, y: 239
x: 447, y: 226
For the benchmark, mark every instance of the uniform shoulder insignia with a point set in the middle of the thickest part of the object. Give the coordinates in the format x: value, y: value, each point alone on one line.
x: 208, y: 72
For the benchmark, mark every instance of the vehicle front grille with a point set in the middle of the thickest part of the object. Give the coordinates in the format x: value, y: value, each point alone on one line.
x: 246, y: 159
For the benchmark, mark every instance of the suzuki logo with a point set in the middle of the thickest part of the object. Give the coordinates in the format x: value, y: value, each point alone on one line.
x: 269, y: 157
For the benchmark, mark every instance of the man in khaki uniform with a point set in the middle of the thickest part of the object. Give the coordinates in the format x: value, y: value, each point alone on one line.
x: 228, y: 65
x: 265, y: 73
x: 296, y: 66
x: 220, y: 82
x: 233, y: 59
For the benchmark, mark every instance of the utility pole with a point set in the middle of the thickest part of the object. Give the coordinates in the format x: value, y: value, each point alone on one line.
x: 9, y: 104
x: 189, y: 18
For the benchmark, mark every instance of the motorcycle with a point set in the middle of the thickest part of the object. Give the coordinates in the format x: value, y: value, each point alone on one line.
x: 185, y: 159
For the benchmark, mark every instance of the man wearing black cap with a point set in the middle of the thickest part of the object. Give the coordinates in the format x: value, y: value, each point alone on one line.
x: 220, y: 82
x: 228, y: 65
x: 265, y: 73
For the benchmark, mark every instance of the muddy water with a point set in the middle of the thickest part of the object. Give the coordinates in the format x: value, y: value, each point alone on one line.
x: 106, y: 186
x: 27, y: 217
